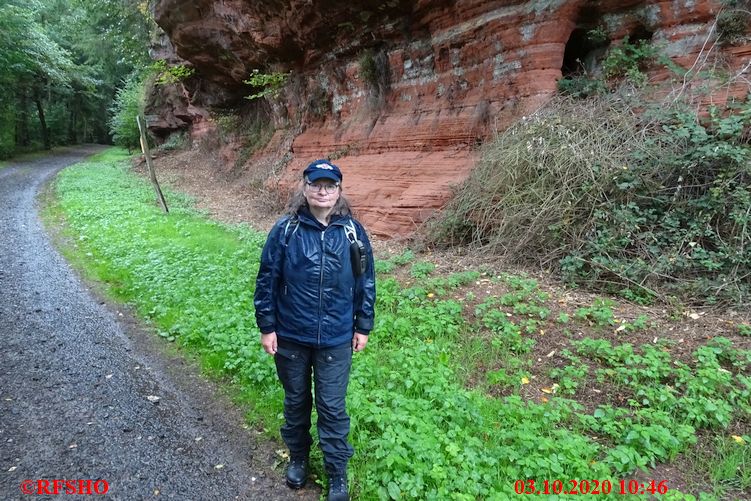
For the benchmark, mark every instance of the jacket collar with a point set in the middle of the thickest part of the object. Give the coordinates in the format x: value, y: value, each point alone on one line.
x: 307, y: 217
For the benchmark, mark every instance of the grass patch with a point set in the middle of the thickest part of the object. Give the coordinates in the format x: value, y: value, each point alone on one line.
x: 726, y: 461
x: 419, y: 431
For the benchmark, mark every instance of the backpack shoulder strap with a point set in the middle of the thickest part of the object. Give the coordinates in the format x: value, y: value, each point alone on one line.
x: 351, y: 231
x: 292, y: 221
x: 358, y: 253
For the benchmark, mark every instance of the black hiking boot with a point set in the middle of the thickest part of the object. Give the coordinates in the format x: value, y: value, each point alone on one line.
x: 297, y: 472
x: 338, y: 488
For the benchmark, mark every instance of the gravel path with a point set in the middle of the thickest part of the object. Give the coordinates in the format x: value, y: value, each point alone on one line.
x: 76, y: 375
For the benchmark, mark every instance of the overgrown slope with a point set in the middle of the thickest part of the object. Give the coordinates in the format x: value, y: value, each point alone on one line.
x: 620, y: 192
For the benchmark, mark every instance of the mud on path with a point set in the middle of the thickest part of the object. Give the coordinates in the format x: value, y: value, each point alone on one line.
x: 79, y: 381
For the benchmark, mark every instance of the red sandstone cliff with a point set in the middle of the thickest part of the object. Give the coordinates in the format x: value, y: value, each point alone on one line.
x: 401, y: 92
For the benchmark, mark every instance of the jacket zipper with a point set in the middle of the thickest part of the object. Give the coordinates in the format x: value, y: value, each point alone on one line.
x: 320, y: 291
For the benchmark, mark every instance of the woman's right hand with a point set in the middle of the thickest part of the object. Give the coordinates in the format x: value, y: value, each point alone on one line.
x: 268, y: 341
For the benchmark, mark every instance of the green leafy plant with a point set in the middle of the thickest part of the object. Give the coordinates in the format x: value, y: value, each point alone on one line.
x: 640, y: 323
x: 441, y: 285
x: 570, y: 376
x: 581, y: 86
x: 598, y: 35
x: 422, y: 269
x: 384, y: 266
x: 167, y: 75
x: 375, y: 71
x: 600, y: 313
x: 368, y: 68
x: 513, y: 375
x: 638, y: 295
x: 629, y: 60
x: 405, y: 257
x: 270, y: 84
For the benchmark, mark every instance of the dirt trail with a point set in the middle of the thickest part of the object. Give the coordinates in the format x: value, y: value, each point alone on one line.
x: 76, y: 376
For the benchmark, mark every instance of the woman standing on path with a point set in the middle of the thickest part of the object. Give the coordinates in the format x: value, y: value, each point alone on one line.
x: 314, y: 300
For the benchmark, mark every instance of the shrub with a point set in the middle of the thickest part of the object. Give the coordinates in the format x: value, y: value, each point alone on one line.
x: 679, y: 220
x: 629, y: 60
x: 617, y: 200
x: 368, y: 70
x: 581, y: 86
x: 376, y: 73
x: 270, y: 84
x: 166, y: 75
x: 176, y: 141
x: 598, y: 36
x: 129, y: 102
x: 536, y: 184
x: 733, y: 21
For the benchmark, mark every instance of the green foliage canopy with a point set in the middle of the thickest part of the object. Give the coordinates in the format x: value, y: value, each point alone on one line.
x: 63, y: 61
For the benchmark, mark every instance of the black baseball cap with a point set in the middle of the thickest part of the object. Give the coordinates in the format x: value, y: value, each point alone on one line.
x: 322, y: 169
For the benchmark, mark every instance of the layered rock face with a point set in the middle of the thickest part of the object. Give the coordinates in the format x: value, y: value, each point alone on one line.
x: 401, y: 94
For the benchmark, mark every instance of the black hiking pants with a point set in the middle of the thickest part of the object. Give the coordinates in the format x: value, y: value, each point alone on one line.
x: 330, y: 375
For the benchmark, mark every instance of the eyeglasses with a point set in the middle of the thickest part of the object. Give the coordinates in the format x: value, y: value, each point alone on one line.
x: 330, y: 189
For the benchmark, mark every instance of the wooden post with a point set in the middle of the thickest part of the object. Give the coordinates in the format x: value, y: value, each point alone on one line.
x: 147, y: 154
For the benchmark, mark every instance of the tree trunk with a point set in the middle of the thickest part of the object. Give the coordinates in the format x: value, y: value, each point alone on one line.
x: 22, y: 124
x: 43, y: 123
x: 73, y: 120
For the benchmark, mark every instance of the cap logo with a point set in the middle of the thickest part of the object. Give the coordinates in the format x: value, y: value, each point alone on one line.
x: 324, y: 166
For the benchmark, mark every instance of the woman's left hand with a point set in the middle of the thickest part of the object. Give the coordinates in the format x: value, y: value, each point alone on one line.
x: 359, y: 341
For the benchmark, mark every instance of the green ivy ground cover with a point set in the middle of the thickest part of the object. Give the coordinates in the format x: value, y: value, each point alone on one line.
x: 418, y: 431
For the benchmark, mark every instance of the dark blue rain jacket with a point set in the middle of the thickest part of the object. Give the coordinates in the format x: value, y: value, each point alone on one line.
x: 305, y: 290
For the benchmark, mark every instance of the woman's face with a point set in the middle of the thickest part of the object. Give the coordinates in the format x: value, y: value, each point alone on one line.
x: 322, y: 193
